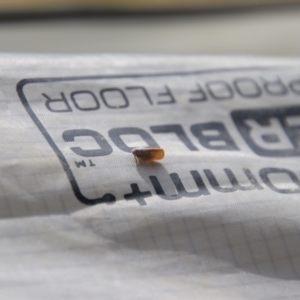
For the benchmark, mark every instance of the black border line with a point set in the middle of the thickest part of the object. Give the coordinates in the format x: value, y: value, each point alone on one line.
x: 107, y: 197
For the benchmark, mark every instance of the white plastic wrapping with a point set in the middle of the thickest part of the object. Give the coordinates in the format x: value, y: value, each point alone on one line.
x: 217, y: 218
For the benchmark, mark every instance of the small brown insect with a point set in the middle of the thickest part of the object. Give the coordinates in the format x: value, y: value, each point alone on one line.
x: 148, y: 154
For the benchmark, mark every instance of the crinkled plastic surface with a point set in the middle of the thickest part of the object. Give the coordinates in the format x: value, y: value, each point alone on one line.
x: 217, y: 218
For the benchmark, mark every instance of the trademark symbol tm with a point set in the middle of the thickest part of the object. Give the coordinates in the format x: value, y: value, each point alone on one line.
x: 84, y: 164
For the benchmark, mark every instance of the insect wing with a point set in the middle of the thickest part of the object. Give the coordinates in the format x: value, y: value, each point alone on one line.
x: 148, y: 154
x: 157, y: 153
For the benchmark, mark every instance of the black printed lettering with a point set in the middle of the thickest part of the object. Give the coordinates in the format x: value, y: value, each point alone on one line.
x: 176, y: 129
x: 247, y: 87
x: 159, y: 190
x: 233, y: 180
x: 265, y: 176
x: 91, y: 163
x: 219, y: 90
x: 103, y: 149
x: 275, y: 87
x: 181, y: 191
x: 137, y: 194
x: 122, y: 102
x: 144, y: 91
x: 270, y: 132
x: 169, y: 94
x: 295, y: 86
x: 213, y: 136
x: 116, y: 133
x: 87, y: 99
x: 59, y: 105
x: 201, y: 95
x: 202, y: 190
x: 80, y: 164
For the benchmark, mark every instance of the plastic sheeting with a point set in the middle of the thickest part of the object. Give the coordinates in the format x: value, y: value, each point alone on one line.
x: 217, y: 218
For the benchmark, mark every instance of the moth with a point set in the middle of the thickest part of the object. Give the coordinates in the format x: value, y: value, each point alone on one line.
x: 148, y: 154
